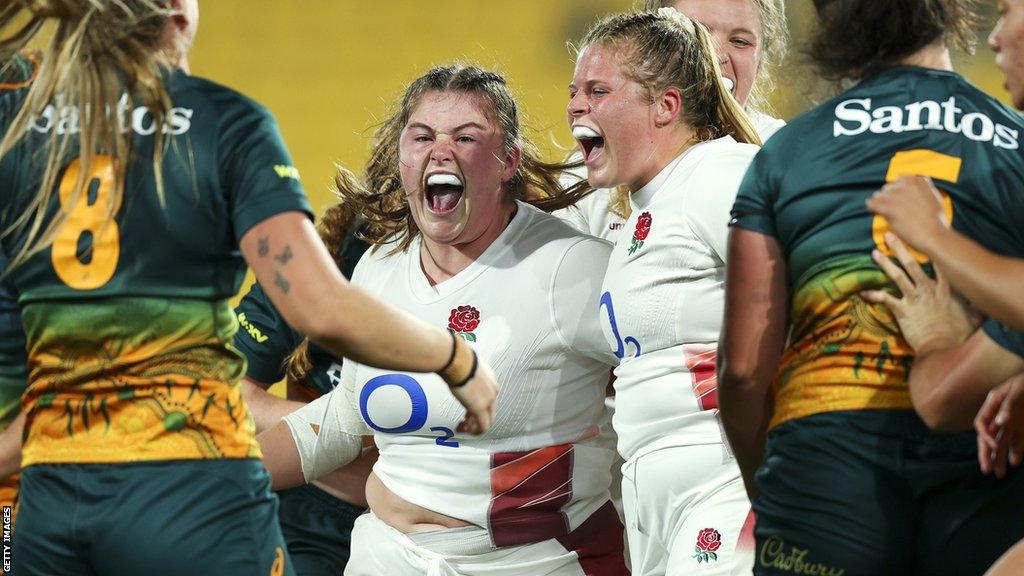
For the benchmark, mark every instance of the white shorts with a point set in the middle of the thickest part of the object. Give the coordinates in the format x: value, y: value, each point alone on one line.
x: 685, y: 507
x: 380, y: 550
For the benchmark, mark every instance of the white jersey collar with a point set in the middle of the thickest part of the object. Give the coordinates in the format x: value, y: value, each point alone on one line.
x: 420, y: 286
x: 639, y: 199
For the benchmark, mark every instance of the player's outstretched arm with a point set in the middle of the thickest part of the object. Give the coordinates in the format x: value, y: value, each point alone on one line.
x: 751, y: 344
x: 949, y: 385
x: 913, y: 207
x: 305, y: 285
x: 955, y: 365
x: 266, y: 409
x: 313, y: 441
x: 281, y: 457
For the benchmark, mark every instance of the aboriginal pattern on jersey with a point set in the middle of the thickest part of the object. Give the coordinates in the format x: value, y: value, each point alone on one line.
x: 9, y: 490
x: 844, y: 353
x: 134, y: 379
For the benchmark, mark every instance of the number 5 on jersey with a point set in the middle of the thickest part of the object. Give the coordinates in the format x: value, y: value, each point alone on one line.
x: 935, y: 165
x: 88, y: 223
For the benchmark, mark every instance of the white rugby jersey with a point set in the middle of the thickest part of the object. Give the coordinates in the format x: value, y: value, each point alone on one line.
x: 663, y: 296
x: 591, y: 215
x: 525, y: 305
x: 765, y: 125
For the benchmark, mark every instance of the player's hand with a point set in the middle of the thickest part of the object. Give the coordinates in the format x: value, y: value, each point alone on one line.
x: 478, y: 396
x: 913, y: 208
x: 929, y: 314
x: 1000, y: 427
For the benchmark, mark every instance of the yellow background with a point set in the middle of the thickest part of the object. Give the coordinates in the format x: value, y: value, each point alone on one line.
x: 329, y: 68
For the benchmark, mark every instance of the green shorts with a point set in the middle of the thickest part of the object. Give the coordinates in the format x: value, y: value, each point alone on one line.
x: 164, y: 518
x: 318, y: 529
x: 874, y: 492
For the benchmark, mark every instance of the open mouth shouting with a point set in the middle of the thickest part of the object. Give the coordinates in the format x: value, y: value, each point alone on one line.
x: 591, y: 142
x: 442, y: 192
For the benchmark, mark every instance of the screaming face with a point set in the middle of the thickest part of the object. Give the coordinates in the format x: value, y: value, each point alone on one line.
x: 453, y: 164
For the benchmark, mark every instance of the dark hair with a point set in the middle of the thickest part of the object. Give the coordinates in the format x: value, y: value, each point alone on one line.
x: 856, y: 39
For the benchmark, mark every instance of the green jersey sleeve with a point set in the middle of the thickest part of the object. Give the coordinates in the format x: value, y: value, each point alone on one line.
x: 13, y: 360
x: 258, y: 169
x: 267, y: 340
x: 263, y: 336
x: 1006, y: 337
x: 754, y: 208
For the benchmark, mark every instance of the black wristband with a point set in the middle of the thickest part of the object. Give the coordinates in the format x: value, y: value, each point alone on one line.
x: 472, y: 373
x: 451, y: 357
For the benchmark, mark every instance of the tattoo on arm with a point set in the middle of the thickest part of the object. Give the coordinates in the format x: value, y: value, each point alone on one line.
x: 285, y: 256
x: 282, y: 282
x: 264, y: 246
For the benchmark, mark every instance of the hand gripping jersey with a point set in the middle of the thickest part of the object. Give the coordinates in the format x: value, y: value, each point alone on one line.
x: 807, y: 188
x: 662, y: 300
x: 543, y: 466
x: 128, y: 327
x: 591, y: 215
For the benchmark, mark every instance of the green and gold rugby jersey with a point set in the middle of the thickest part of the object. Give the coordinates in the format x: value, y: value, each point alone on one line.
x: 128, y: 327
x: 13, y: 375
x: 808, y: 186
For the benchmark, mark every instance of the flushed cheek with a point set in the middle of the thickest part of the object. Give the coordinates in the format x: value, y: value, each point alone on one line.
x: 411, y: 173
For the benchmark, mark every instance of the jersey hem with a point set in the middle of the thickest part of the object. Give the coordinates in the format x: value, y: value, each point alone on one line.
x: 884, y: 404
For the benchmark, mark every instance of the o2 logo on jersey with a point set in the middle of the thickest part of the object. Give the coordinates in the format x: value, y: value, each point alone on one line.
x: 417, y: 415
x: 620, y: 343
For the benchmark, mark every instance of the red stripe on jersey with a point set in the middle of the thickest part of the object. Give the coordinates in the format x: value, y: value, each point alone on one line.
x: 747, y: 542
x: 598, y: 543
x: 701, y: 363
x: 528, y: 491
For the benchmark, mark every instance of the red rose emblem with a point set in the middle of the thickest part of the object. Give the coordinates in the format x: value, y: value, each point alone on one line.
x: 643, y: 226
x: 464, y: 319
x: 709, y: 539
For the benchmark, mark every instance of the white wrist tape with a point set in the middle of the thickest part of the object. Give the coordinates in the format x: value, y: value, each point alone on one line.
x: 327, y: 434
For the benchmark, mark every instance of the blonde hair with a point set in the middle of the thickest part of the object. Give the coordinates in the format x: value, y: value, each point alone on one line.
x: 665, y: 49
x: 379, y: 198
x: 99, y: 51
x: 774, y: 44
x: 772, y: 49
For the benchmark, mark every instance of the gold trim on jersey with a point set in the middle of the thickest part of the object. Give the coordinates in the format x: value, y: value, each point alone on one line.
x: 844, y: 353
x: 131, y: 380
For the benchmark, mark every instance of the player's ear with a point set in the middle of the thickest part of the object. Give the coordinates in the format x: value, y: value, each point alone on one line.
x: 186, y: 16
